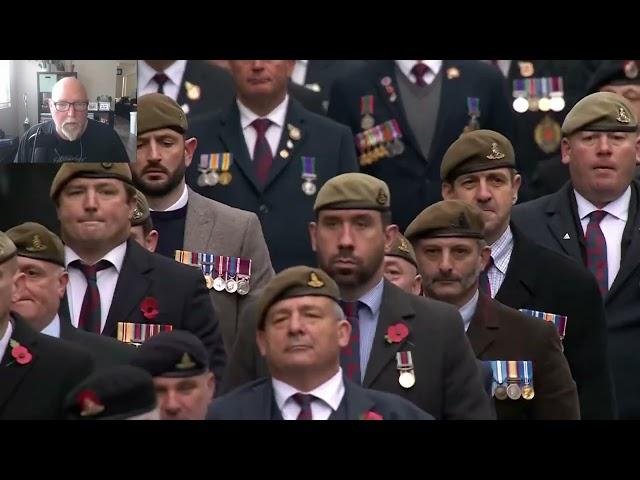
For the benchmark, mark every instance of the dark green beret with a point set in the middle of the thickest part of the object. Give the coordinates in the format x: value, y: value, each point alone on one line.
x: 69, y: 171
x: 448, y: 218
x: 476, y: 151
x: 7, y: 248
x: 615, y: 72
x: 35, y: 241
x: 353, y: 191
x: 600, y: 112
x: 156, y: 111
x: 402, y: 248
x: 174, y: 354
x: 297, y: 281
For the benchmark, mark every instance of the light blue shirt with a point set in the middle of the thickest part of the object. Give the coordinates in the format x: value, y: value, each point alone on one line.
x: 368, y: 313
x: 53, y: 329
x: 468, y: 309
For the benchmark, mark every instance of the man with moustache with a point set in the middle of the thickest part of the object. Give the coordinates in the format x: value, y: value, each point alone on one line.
x: 70, y: 135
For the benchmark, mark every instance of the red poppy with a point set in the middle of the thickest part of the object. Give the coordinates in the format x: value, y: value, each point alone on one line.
x: 149, y: 307
x: 396, y: 333
x: 370, y: 415
x: 21, y: 354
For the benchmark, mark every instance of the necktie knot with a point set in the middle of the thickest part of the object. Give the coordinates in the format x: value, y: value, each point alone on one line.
x: 419, y: 70
x: 160, y: 79
x: 261, y: 125
x: 90, y: 272
x: 597, y: 215
x: 350, y: 309
x: 304, y: 401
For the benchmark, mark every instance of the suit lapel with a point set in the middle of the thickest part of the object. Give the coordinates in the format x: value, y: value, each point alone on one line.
x: 449, y: 95
x: 357, y: 402
x: 518, y: 285
x: 133, y: 283
x: 483, y: 327
x: 562, y: 223
x: 394, y: 308
x: 198, y: 225
x: 63, y: 312
x: 186, y: 76
x: 12, y: 373
x: 233, y: 139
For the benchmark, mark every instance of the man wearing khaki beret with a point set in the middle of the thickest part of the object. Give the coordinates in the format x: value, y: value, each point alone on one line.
x: 142, y: 230
x: 400, y: 343
x: 451, y: 251
x: 595, y: 219
x: 401, y: 267
x: 301, y: 331
x: 188, y: 222
x: 116, y: 287
x: 36, y: 371
x: 40, y: 256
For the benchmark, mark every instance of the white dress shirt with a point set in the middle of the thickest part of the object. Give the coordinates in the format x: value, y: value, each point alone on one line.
x: 181, y: 202
x: 171, y: 88
x: 107, y: 280
x: 612, y: 226
x: 328, y: 398
x: 300, y: 72
x: 501, y: 251
x: 405, y: 67
x: 53, y: 329
x: 468, y: 309
x: 274, y: 132
x: 4, y: 341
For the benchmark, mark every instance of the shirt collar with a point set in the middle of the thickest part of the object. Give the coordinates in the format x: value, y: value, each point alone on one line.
x: 175, y: 72
x: 277, y: 115
x: 53, y: 329
x: 619, y: 208
x: 4, y: 341
x: 373, y: 298
x: 468, y: 309
x: 500, y: 250
x: 115, y: 256
x: 304, y: 63
x: 405, y: 66
x: 181, y: 202
x: 330, y: 392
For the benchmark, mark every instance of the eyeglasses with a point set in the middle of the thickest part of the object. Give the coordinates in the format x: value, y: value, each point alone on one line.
x: 77, y: 106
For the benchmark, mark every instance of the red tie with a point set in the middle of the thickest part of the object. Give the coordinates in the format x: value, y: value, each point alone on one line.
x: 350, y: 355
x: 484, y: 284
x: 597, y: 250
x: 419, y: 70
x: 160, y: 79
x: 262, y: 156
x: 90, y: 318
x: 304, y: 400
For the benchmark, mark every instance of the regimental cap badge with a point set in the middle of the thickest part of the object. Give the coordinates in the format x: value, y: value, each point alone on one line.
x: 107, y: 165
x: 495, y: 153
x: 137, y: 214
x: 36, y: 245
x: 90, y: 404
x: 382, y: 197
x: 623, y: 116
x: 463, y: 222
x: 185, y: 362
x: 314, y: 281
x: 403, y: 247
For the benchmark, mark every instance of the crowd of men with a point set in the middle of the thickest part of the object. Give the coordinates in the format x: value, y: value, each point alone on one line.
x: 339, y: 240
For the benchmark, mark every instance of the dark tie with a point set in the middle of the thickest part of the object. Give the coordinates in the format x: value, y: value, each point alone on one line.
x: 350, y: 355
x: 160, y: 79
x: 262, y: 156
x: 419, y: 70
x: 484, y: 285
x: 304, y: 400
x: 90, y: 311
x: 597, y: 250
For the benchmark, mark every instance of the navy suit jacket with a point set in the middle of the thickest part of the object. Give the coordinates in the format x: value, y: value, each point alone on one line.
x: 282, y: 207
x: 413, y: 179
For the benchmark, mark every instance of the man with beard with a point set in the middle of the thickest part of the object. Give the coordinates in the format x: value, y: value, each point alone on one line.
x: 227, y: 242
x: 400, y: 343
x: 70, y: 136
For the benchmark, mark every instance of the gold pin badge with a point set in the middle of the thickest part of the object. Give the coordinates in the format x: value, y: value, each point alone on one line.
x: 314, y: 281
x: 495, y: 153
x: 526, y: 69
x: 294, y: 132
x: 382, y: 197
x: 452, y: 73
x: 137, y: 214
x: 185, y: 362
x: 193, y: 91
x: 185, y: 109
x: 403, y: 247
x: 36, y: 245
x: 107, y: 165
x: 623, y: 116
x: 284, y: 154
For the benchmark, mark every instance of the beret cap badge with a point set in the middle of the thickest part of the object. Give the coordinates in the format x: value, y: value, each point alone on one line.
x: 314, y: 281
x: 36, y: 245
x: 622, y: 117
x: 185, y: 362
x: 495, y: 153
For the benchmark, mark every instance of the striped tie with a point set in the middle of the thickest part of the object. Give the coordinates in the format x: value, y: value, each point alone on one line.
x: 484, y: 284
x: 597, y: 250
x: 262, y: 156
x: 90, y: 315
x: 304, y: 400
x: 350, y: 355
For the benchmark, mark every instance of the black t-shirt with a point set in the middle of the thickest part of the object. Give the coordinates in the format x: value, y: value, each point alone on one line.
x: 98, y: 143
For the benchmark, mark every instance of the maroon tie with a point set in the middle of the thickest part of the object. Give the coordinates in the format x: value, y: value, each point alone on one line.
x: 262, y: 156
x: 160, y: 79
x: 90, y: 311
x: 350, y: 355
x: 597, y: 250
x: 484, y: 284
x: 419, y: 70
x: 304, y: 400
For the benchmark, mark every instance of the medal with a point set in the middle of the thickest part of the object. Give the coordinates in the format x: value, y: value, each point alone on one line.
x: 513, y: 379
x: 513, y: 391
x: 396, y: 146
x: 225, y: 178
x: 559, y: 321
x: 231, y: 285
x: 498, y: 367
x: 527, y: 392
x: 366, y: 111
x: 309, y: 188
x: 308, y: 175
x: 520, y: 104
x: 367, y: 122
x: 219, y: 283
x: 244, y: 275
x: 500, y: 393
x: 137, y: 333
x: 557, y: 93
x: 407, y: 379
x: 209, y: 280
x: 527, y: 389
x: 545, y: 102
x: 404, y: 363
x: 473, y: 110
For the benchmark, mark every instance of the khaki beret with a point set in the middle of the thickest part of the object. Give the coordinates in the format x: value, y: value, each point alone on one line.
x: 476, y: 151
x: 293, y: 282
x: 448, y: 218
x: 35, y: 241
x: 402, y: 248
x: 141, y: 212
x: 69, y: 171
x: 353, y: 191
x: 7, y: 248
x: 601, y: 112
x: 156, y: 111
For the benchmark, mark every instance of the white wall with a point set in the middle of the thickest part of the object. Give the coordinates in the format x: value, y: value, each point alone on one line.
x: 26, y: 82
x: 8, y: 115
x: 98, y: 76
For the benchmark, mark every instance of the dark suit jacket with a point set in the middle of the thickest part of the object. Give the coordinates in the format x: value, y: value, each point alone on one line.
x: 322, y: 73
x: 283, y: 209
x: 106, y: 352
x: 540, y: 279
x: 181, y: 293
x: 256, y: 401
x: 547, y: 221
x: 217, y: 90
x: 37, y: 390
x: 413, y: 179
x: 498, y: 332
x: 448, y: 381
